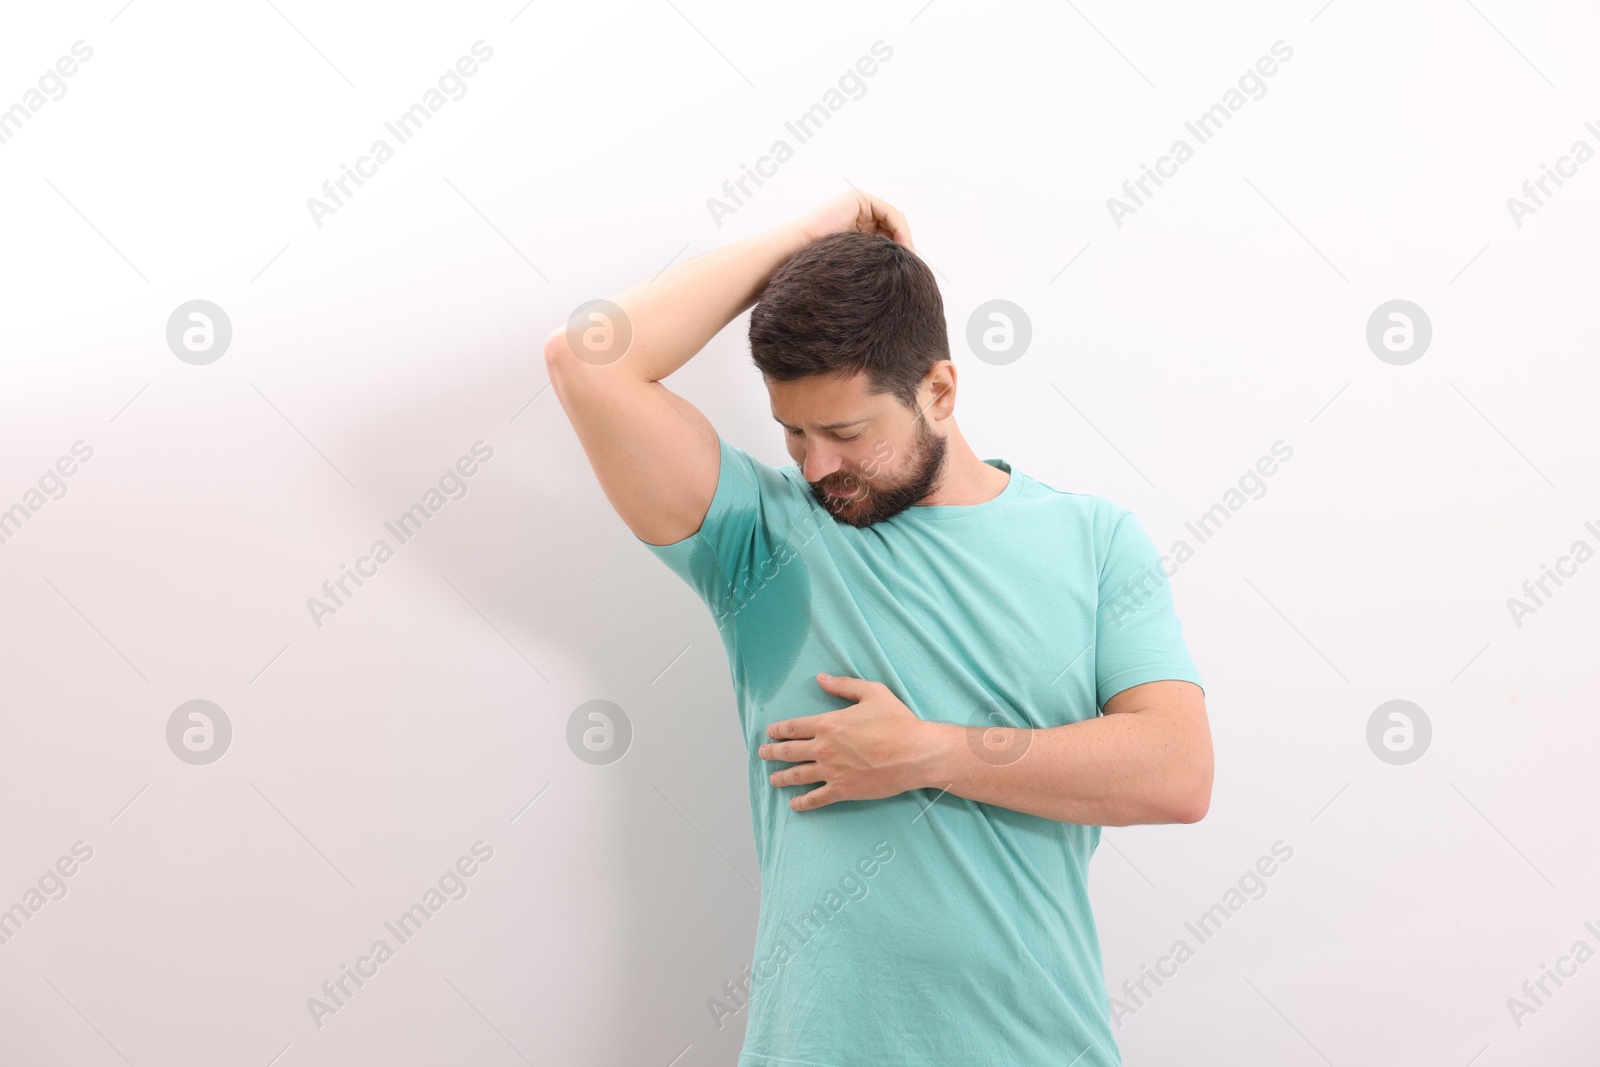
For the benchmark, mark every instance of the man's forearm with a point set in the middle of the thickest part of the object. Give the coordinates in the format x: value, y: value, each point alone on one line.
x: 674, y: 315
x: 1114, y: 770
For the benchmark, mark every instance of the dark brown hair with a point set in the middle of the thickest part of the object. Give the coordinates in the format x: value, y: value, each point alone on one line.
x: 848, y: 303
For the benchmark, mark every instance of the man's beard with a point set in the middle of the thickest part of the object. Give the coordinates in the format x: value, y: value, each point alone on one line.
x: 871, y: 502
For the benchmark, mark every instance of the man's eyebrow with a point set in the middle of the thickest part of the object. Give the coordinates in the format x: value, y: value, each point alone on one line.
x: 830, y: 426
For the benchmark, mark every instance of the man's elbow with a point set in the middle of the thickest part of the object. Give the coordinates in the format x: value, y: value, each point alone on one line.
x: 1193, y: 803
x: 1194, y: 810
x: 1194, y: 797
x: 569, y: 376
x: 556, y: 348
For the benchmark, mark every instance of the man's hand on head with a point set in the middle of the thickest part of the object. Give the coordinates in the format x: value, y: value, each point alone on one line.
x: 873, y: 749
x: 856, y: 211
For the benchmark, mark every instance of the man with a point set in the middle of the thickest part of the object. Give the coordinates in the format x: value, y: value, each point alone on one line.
x: 920, y: 641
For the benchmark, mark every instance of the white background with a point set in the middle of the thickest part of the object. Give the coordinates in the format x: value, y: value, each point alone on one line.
x: 369, y: 752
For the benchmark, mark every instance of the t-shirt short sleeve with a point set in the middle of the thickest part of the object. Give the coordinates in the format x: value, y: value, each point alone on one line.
x: 1138, y: 637
x: 753, y: 504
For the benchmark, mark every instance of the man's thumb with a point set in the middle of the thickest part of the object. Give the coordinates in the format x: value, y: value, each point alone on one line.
x: 848, y: 688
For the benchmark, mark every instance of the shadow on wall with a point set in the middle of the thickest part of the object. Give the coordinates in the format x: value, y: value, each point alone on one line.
x: 534, y: 548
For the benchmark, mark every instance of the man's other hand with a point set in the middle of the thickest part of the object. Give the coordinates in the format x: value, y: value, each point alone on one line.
x: 873, y: 749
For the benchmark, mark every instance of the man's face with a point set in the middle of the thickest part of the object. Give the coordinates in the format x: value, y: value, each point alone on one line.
x: 867, y: 458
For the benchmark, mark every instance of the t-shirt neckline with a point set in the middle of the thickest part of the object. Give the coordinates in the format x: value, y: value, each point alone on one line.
x: 953, y: 511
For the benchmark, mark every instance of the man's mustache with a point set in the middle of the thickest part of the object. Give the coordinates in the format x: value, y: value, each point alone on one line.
x: 852, y: 487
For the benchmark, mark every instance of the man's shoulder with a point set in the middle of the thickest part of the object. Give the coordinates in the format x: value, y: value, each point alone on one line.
x: 1089, y: 508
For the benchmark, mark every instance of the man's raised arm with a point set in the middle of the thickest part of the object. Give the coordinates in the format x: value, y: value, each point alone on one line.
x: 655, y: 454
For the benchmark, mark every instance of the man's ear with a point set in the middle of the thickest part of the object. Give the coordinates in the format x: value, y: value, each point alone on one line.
x: 937, y: 395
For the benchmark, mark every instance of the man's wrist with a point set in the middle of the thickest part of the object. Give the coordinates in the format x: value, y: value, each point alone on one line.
x: 942, y: 746
x: 792, y: 236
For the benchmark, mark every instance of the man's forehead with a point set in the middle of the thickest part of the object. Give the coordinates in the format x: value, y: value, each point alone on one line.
x: 824, y: 403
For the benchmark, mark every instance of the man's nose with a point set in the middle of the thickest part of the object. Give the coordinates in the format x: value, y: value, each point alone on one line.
x: 820, y: 463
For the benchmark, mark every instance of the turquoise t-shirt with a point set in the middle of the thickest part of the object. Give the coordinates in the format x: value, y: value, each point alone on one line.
x: 923, y: 929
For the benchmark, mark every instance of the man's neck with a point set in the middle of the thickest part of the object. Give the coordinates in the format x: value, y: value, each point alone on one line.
x: 967, y: 479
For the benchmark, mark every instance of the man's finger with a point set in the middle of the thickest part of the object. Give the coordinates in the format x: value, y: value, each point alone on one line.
x: 788, y: 751
x: 892, y: 222
x: 820, y: 797
x: 856, y: 689
x: 803, y: 774
x: 900, y: 229
x: 802, y: 728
